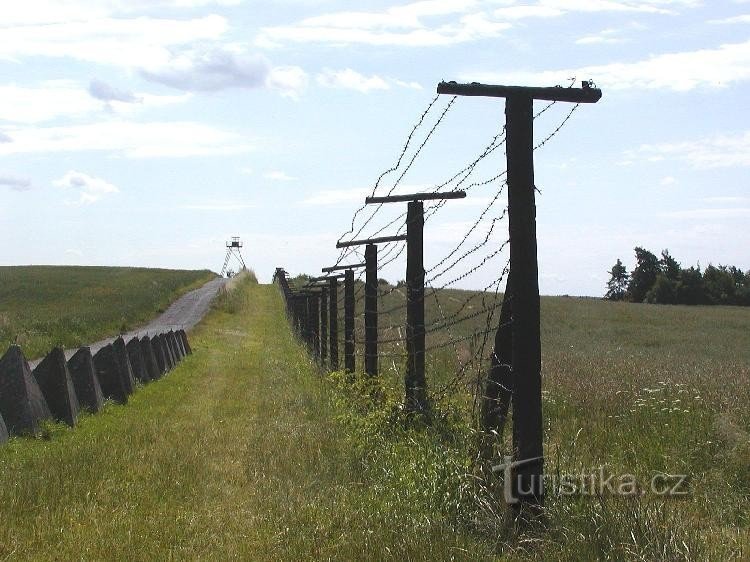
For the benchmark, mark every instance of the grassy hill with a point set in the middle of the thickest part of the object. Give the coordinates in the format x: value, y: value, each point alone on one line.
x: 45, y: 306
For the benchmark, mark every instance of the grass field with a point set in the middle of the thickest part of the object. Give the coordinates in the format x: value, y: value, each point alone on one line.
x: 628, y: 388
x: 247, y: 450
x: 45, y: 306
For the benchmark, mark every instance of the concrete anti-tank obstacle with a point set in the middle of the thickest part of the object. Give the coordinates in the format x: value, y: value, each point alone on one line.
x: 22, y: 403
x: 185, y: 342
x: 180, y: 346
x: 172, y: 348
x: 137, y: 361
x: 53, y: 378
x: 149, y: 358
x: 126, y: 370
x: 168, y: 355
x: 175, y: 345
x: 85, y: 381
x: 159, y: 354
x: 3, y: 431
x: 110, y: 378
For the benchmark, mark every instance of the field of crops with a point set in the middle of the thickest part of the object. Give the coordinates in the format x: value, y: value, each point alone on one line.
x: 45, y: 306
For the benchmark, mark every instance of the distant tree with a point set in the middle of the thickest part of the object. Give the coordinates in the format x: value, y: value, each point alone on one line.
x: 663, y: 291
x: 690, y: 289
x: 719, y: 285
x: 669, y: 266
x: 643, y: 277
x: 617, y: 285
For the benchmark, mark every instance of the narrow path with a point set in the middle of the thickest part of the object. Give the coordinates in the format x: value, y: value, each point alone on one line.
x: 184, y: 313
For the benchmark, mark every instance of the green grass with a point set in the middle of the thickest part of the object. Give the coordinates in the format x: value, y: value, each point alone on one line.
x: 243, y: 451
x: 247, y: 450
x: 45, y: 306
x: 636, y: 389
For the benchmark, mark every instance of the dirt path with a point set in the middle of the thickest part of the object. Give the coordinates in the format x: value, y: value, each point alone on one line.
x: 184, y: 313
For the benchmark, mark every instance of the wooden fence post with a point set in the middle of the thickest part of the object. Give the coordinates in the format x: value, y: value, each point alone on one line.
x: 333, y: 313
x: 315, y: 326
x: 371, y: 310
x: 415, y: 383
x: 323, y: 325
x: 349, y: 320
x: 527, y: 381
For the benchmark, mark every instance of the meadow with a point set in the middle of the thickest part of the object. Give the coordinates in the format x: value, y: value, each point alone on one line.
x: 46, y: 306
x: 248, y: 449
x: 628, y: 389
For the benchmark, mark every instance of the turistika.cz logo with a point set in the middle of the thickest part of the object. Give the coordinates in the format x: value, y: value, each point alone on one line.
x: 597, y: 483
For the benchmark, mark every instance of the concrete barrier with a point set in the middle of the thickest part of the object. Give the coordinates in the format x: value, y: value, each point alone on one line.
x: 123, y: 361
x: 175, y: 346
x: 3, y: 431
x: 161, y: 357
x: 168, y: 354
x: 137, y: 361
x: 185, y: 342
x: 22, y: 404
x: 111, y: 379
x: 53, y: 379
x: 149, y: 357
x: 86, y: 383
x: 180, y: 346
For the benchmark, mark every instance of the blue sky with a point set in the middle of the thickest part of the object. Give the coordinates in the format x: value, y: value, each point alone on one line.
x: 149, y: 132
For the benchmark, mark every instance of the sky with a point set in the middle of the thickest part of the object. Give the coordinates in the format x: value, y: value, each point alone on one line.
x: 148, y: 132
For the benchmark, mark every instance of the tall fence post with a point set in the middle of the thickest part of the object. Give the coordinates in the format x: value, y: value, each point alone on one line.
x: 371, y: 310
x: 349, y: 320
x: 527, y: 390
x: 415, y: 383
x: 315, y: 326
x: 333, y: 318
x: 323, y: 325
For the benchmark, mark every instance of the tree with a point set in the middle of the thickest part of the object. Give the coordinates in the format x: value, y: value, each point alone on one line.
x: 617, y: 285
x: 690, y: 289
x: 663, y: 291
x: 644, y: 275
x: 669, y: 266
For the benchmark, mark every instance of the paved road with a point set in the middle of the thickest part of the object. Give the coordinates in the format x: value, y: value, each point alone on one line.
x: 184, y: 313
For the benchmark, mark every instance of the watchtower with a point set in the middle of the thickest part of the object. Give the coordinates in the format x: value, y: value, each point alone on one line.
x: 233, y: 249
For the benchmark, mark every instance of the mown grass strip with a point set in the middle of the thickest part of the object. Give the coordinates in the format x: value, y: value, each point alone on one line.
x: 238, y: 452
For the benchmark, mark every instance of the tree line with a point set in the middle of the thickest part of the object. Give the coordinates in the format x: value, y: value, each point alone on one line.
x: 664, y: 281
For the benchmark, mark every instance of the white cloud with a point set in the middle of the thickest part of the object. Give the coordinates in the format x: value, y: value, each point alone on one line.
x: 5, y: 138
x: 404, y: 25
x: 717, y: 151
x: 210, y: 70
x: 684, y: 71
x: 351, y: 80
x: 336, y: 197
x: 102, y: 91
x: 15, y: 183
x: 129, y: 139
x: 278, y: 175
x: 440, y: 22
x: 55, y: 99
x: 667, y: 181
x: 745, y: 18
x: 290, y: 81
x: 90, y: 189
x: 604, y: 36
x: 219, y: 68
x: 134, y: 43
x: 698, y: 214
x: 226, y: 206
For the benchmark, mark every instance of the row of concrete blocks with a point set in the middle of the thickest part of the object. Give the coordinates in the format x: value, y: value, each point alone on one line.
x: 58, y: 389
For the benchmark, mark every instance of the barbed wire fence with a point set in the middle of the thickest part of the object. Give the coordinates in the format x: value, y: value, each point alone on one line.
x: 458, y: 324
